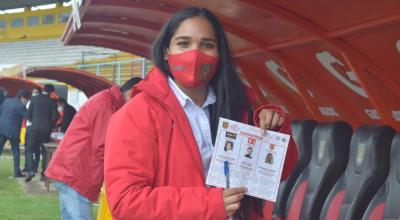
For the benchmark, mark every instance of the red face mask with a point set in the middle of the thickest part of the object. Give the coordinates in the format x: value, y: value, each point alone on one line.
x: 193, y: 68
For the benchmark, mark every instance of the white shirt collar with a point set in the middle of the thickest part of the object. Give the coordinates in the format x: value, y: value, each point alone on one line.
x: 184, y: 99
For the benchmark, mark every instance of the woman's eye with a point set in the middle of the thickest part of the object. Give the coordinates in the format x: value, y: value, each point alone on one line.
x: 183, y: 44
x: 209, y: 45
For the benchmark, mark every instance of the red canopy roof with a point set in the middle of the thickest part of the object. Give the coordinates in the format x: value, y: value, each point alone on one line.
x: 89, y: 83
x: 329, y: 60
x: 14, y: 84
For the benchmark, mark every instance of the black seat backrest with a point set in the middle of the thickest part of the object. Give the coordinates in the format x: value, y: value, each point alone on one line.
x: 385, y: 204
x: 366, y: 172
x: 302, y: 131
x: 330, y: 150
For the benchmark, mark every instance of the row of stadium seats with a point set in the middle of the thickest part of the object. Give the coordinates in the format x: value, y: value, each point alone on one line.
x: 340, y: 175
x: 48, y: 53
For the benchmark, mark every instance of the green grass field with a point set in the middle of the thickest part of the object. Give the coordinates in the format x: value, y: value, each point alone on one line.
x: 16, y: 205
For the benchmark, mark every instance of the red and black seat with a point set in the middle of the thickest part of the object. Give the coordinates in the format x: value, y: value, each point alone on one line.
x: 366, y: 172
x: 330, y: 151
x: 302, y: 131
x: 386, y: 203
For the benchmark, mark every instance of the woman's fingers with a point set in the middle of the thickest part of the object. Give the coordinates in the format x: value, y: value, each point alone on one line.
x: 275, y: 121
x: 265, y: 116
x: 269, y: 120
x: 232, y: 198
x: 232, y: 208
x: 233, y: 191
x: 281, y: 120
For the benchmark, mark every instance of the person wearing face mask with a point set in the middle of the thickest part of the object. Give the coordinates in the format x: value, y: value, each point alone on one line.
x: 77, y: 164
x: 12, y: 113
x: 159, y: 145
x: 68, y: 112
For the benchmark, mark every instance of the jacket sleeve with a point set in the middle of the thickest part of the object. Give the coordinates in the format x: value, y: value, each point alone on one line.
x: 99, y: 117
x: 291, y: 154
x: 22, y: 111
x: 131, y: 165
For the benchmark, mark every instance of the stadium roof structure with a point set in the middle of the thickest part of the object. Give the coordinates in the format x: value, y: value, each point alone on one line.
x: 88, y: 83
x: 13, y: 84
x: 328, y: 60
x: 13, y: 4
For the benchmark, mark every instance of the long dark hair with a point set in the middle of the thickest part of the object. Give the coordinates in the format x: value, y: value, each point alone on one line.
x: 232, y: 101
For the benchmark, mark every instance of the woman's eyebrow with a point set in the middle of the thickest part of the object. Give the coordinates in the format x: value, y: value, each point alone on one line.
x: 188, y: 38
x: 209, y: 39
x: 182, y: 38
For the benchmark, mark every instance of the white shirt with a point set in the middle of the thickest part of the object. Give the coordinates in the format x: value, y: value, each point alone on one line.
x: 199, y: 119
x: 28, y: 123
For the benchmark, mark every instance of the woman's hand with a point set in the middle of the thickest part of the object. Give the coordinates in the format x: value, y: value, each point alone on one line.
x: 232, y: 199
x: 269, y: 120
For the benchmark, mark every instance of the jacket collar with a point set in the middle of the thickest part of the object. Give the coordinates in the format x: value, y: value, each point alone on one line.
x: 156, y: 85
x: 185, y: 99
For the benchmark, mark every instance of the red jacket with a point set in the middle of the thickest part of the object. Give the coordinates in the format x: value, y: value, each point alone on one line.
x: 153, y: 167
x: 78, y: 160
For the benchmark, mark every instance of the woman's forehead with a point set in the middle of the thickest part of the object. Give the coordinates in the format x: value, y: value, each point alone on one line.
x: 195, y: 27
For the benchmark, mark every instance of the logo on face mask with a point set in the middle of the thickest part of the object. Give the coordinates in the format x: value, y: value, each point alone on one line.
x: 193, y: 68
x: 204, y: 70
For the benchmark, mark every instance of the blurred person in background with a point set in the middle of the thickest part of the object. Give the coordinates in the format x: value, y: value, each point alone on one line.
x: 36, y: 154
x: 12, y: 113
x: 67, y: 111
x: 42, y: 112
x: 77, y: 165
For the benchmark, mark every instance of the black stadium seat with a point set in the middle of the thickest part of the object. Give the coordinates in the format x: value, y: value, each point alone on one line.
x: 302, y: 131
x: 330, y: 151
x: 385, y: 204
x: 367, y: 170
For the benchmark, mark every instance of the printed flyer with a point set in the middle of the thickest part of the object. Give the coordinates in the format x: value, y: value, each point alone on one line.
x: 244, y: 157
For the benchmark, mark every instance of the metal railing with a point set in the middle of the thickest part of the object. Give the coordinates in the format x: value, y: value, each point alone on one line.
x: 118, y: 71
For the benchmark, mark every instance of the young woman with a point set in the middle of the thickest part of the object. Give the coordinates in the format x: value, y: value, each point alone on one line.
x: 159, y: 145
